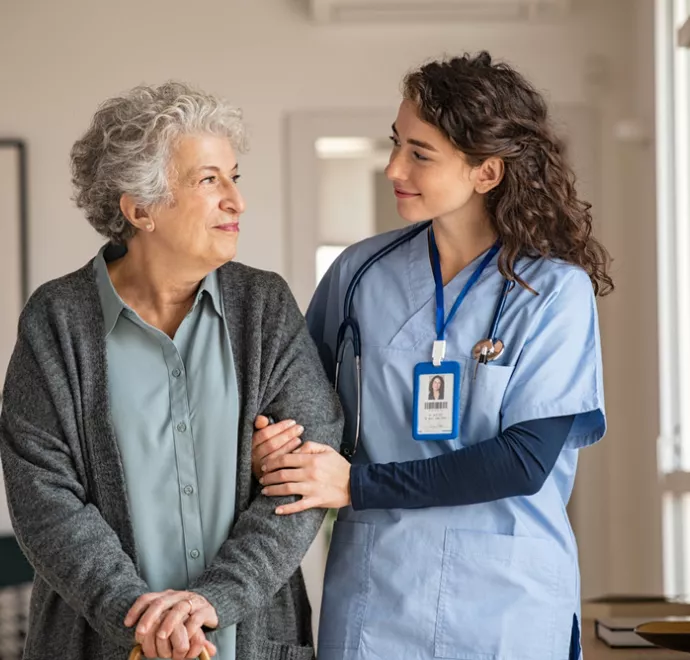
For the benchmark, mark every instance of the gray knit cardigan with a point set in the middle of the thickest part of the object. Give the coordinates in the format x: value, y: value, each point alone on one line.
x: 66, y: 488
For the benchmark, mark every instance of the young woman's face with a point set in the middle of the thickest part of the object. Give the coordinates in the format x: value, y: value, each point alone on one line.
x: 436, y: 384
x: 431, y: 178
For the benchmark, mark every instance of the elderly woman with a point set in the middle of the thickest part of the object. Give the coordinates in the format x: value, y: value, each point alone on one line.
x: 127, y: 423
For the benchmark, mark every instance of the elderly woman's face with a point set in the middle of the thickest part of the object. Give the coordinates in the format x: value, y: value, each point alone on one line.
x: 203, y: 222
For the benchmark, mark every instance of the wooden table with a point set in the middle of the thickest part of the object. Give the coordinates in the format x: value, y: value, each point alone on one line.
x: 595, y: 649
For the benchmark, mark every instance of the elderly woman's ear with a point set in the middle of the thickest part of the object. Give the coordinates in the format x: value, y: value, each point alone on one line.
x: 136, y: 215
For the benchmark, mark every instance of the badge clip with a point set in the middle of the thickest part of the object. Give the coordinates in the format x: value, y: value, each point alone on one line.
x: 438, y: 352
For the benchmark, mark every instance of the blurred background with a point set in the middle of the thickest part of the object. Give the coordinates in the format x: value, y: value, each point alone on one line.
x: 319, y: 82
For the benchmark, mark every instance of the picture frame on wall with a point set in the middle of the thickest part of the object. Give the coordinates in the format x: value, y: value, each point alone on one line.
x: 14, y: 257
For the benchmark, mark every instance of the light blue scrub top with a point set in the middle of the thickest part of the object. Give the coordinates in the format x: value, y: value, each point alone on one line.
x: 492, y: 581
x: 174, y: 406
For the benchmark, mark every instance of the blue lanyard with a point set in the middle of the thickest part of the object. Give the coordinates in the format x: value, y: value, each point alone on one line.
x: 438, y: 279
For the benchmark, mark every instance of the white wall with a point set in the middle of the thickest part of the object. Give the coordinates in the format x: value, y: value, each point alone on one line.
x: 617, y: 504
x: 58, y: 60
x: 633, y: 485
x: 346, y: 200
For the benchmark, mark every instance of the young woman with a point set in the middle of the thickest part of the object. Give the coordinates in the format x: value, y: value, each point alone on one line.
x: 452, y: 539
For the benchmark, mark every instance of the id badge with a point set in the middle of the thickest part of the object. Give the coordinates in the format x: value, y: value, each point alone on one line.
x: 436, y: 413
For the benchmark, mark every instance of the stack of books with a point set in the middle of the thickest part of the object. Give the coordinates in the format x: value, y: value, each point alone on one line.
x: 617, y: 617
x: 619, y: 632
x: 635, y: 606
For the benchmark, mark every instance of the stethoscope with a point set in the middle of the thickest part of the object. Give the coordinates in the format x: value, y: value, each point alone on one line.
x: 483, y: 351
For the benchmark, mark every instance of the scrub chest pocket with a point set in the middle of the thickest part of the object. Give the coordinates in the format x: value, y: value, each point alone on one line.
x: 481, y: 400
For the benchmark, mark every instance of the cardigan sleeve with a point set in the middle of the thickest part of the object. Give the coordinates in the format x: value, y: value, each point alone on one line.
x: 264, y: 550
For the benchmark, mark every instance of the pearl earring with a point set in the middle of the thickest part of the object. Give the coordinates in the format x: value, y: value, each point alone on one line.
x: 149, y: 227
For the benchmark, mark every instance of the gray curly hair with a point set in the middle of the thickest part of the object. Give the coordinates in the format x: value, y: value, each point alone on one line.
x: 128, y: 146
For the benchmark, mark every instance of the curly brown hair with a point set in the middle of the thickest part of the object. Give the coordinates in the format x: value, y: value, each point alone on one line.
x: 487, y: 109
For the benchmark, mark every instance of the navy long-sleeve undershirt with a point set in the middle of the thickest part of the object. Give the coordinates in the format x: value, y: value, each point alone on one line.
x: 514, y: 463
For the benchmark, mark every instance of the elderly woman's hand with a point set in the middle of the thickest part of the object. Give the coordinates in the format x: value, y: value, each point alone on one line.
x: 273, y: 440
x: 180, y: 645
x: 169, y: 624
x: 316, y: 472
